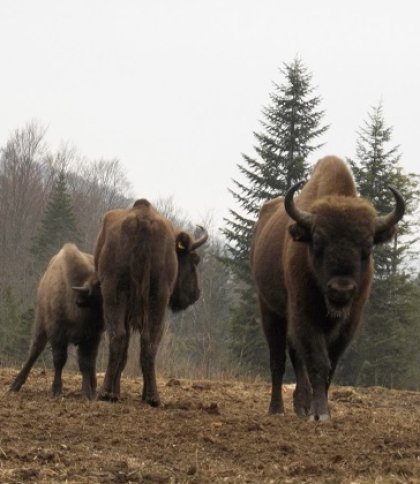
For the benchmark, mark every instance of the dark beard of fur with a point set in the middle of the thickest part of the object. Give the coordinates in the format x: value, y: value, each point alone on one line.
x: 338, y: 314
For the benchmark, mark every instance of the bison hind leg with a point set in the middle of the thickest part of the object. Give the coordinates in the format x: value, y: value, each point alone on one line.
x: 59, y: 350
x: 150, y: 394
x: 274, y: 327
x: 37, y: 347
x: 149, y: 342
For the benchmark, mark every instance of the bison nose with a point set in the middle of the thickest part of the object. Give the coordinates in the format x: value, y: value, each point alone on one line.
x: 341, y: 290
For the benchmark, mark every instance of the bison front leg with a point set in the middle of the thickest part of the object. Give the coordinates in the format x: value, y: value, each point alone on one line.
x: 275, y: 332
x: 337, y: 348
x: 312, y: 348
x: 302, y: 396
x: 86, y: 354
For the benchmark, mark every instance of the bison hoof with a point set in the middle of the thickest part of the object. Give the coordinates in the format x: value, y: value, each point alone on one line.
x: 56, y: 391
x: 277, y: 414
x: 89, y: 396
x: 153, y: 402
x: 302, y: 402
x: 324, y: 417
x: 276, y: 410
x: 108, y: 396
x: 14, y: 387
x: 301, y: 411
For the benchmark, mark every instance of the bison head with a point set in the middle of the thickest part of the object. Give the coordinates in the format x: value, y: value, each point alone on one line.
x: 89, y: 295
x: 341, y: 232
x: 186, y: 290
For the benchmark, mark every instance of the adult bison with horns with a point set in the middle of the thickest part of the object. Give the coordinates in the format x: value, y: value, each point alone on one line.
x: 311, y: 260
x: 144, y: 265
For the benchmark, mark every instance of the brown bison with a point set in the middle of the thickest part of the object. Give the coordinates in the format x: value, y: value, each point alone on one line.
x: 68, y: 310
x: 311, y: 260
x: 144, y: 264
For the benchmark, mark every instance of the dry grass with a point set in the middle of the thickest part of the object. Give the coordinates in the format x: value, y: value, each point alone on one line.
x: 206, y: 431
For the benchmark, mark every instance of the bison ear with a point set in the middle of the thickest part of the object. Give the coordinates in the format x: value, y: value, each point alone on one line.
x: 384, y: 235
x: 299, y: 233
x: 182, y: 243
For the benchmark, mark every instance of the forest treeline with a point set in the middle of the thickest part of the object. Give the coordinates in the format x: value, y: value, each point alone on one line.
x: 48, y: 198
x: 51, y: 197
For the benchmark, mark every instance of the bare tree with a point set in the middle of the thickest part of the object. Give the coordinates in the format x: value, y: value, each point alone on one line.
x: 22, y: 196
x: 28, y: 169
x: 96, y: 188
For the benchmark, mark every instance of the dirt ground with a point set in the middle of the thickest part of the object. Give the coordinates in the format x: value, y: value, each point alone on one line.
x: 205, y: 432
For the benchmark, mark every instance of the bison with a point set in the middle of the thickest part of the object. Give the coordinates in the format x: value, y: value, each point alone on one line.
x: 68, y: 310
x: 312, y: 264
x: 144, y: 264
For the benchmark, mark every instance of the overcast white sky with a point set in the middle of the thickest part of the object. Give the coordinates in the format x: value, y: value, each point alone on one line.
x: 174, y: 89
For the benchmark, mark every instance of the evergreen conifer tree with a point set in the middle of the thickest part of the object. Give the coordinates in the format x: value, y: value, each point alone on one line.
x: 58, y: 224
x: 384, y: 350
x: 291, y: 124
x: 377, y: 165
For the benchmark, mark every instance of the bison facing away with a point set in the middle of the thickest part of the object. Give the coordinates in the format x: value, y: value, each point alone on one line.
x: 311, y: 260
x: 68, y: 310
x: 144, y: 265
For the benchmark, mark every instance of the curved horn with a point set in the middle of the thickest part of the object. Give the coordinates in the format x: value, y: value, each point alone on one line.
x: 300, y: 216
x: 385, y: 222
x: 81, y: 289
x: 203, y: 239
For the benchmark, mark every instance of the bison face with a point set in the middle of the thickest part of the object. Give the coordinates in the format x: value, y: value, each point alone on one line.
x: 186, y: 290
x: 340, y: 243
x: 340, y: 232
x: 339, y: 265
x: 89, y: 295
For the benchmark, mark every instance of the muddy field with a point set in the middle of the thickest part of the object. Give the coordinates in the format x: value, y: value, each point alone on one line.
x: 205, y: 432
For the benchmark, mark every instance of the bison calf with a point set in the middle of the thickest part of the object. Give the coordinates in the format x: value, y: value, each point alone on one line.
x: 144, y: 265
x: 313, y: 268
x: 68, y: 310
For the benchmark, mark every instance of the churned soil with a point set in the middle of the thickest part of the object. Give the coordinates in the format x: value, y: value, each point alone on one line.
x: 205, y: 432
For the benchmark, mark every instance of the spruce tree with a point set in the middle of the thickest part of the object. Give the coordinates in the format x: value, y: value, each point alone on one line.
x: 383, y: 353
x: 58, y: 224
x: 377, y: 165
x: 291, y: 124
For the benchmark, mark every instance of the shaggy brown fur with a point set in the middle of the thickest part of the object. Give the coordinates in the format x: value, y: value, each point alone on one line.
x: 68, y: 310
x: 313, y: 278
x: 144, y: 264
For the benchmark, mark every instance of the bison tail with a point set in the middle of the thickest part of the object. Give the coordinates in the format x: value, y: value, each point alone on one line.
x: 139, y: 239
x: 140, y: 275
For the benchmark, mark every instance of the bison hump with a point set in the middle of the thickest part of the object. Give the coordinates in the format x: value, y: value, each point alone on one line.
x: 142, y: 202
